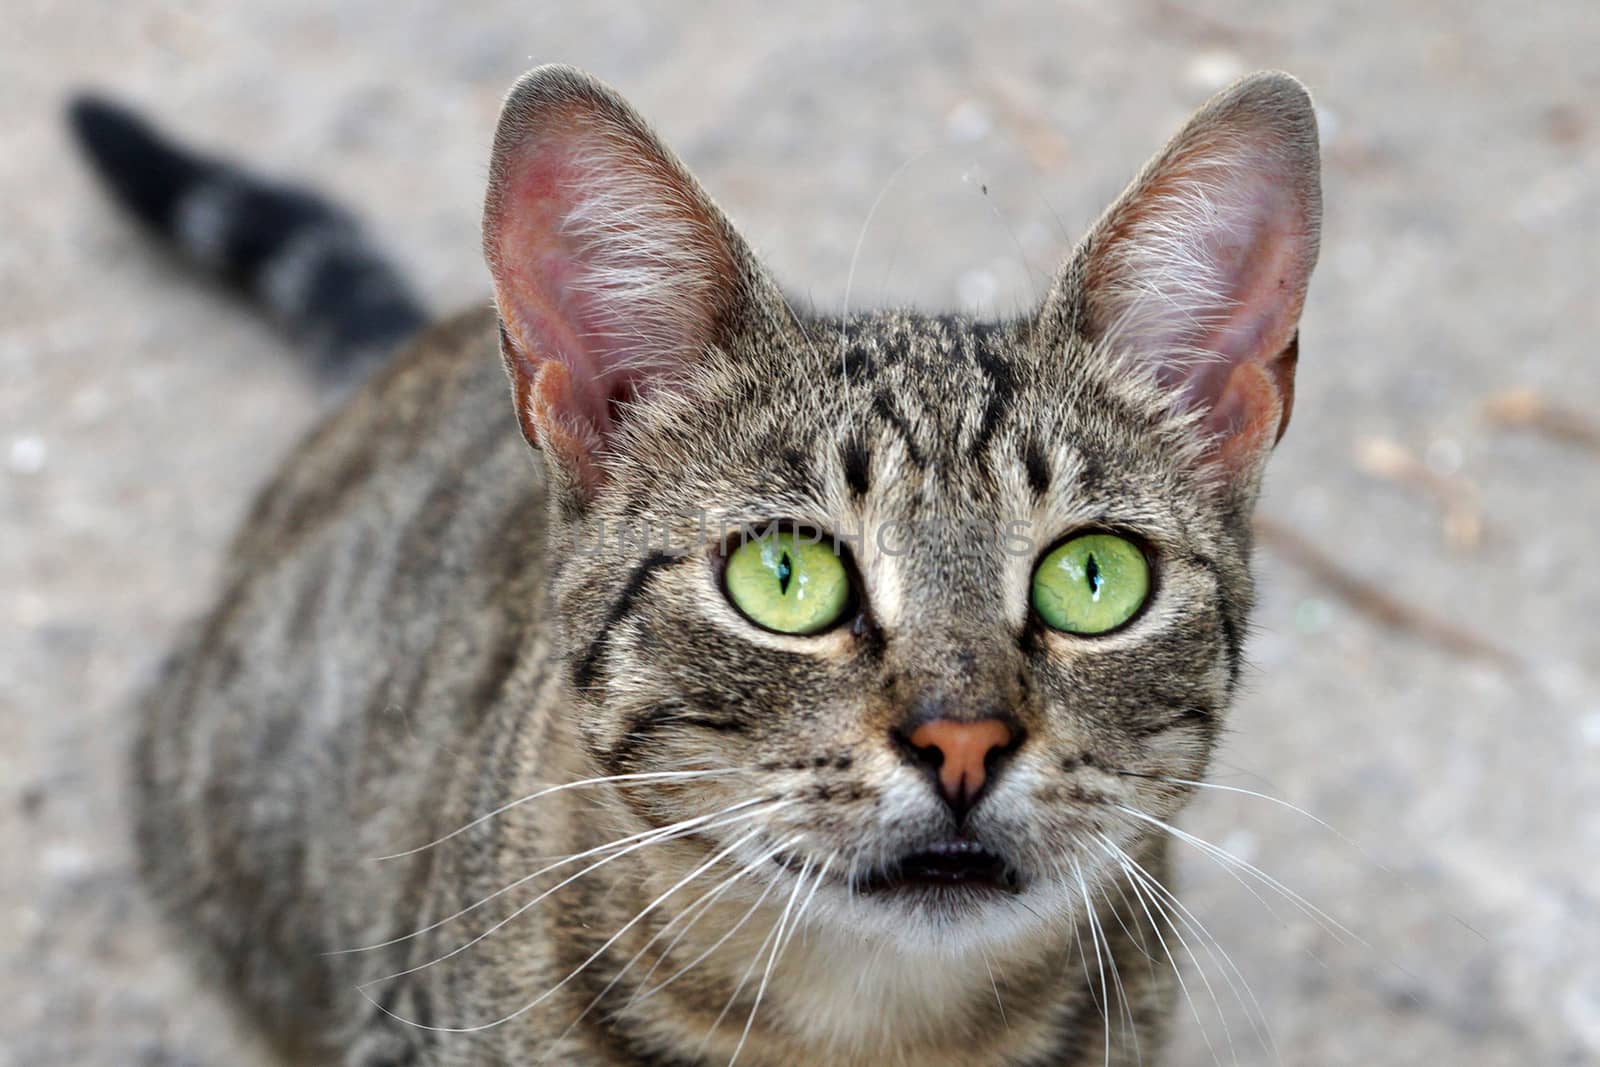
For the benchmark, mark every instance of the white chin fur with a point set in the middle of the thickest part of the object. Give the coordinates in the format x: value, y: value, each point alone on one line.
x: 857, y: 963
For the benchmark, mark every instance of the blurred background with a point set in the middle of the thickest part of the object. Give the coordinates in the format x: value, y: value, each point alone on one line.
x: 1426, y: 658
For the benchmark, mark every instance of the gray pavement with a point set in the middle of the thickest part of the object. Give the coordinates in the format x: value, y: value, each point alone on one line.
x: 1462, y: 146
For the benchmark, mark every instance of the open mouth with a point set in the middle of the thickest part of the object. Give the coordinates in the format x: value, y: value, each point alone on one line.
x: 955, y: 865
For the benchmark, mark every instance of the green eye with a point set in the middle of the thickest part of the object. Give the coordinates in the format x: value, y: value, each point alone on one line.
x: 784, y: 582
x: 1090, y: 584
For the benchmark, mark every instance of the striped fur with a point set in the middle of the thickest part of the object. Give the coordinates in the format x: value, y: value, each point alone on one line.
x: 422, y: 623
x: 307, y: 262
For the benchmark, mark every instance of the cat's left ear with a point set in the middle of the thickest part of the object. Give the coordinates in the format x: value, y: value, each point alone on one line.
x: 1199, y: 270
x: 613, y: 271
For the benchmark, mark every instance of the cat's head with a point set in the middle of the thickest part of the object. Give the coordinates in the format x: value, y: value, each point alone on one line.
x: 1018, y: 629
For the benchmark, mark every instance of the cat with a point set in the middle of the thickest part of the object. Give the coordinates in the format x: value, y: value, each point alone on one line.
x: 649, y: 743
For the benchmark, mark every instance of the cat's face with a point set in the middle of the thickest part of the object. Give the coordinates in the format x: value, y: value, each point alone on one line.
x: 929, y: 754
x: 946, y: 458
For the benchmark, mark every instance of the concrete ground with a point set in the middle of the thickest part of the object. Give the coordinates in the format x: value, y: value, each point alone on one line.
x: 1462, y: 148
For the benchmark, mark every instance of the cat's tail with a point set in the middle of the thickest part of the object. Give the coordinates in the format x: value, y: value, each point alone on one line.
x: 305, y: 260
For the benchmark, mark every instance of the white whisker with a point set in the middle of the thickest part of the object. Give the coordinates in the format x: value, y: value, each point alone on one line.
x: 717, y: 889
x: 996, y: 987
x: 536, y: 1001
x: 1280, y: 802
x: 1226, y: 858
x: 745, y: 978
x: 630, y: 924
x: 1180, y: 911
x: 699, y: 823
x: 777, y: 950
x: 1099, y: 960
x: 1139, y: 893
x: 611, y: 779
x: 645, y: 836
x: 700, y: 909
x: 1129, y: 1027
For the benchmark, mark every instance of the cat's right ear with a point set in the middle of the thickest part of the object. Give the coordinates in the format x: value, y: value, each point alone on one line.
x: 613, y: 271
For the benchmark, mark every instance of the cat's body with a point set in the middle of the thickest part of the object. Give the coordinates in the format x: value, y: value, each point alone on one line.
x: 423, y: 621
x: 447, y: 716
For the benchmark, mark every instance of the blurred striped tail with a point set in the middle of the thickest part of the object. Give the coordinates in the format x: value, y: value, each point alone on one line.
x: 305, y: 260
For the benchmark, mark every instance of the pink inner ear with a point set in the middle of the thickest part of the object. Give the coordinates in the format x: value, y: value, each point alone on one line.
x: 607, y: 261
x: 542, y: 299
x: 1249, y: 415
x: 1258, y: 266
x: 1201, y: 274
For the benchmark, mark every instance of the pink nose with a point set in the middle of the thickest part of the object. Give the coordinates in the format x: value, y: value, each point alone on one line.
x: 960, y: 753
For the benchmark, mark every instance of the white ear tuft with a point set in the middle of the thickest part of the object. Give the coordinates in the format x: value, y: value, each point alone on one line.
x: 1199, y: 270
x: 612, y: 269
x: 642, y: 254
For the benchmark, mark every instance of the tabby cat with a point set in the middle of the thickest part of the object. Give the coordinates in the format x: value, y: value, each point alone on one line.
x: 814, y: 690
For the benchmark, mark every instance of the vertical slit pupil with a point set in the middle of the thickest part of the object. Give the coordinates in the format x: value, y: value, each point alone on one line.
x: 1091, y: 571
x: 785, y: 569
